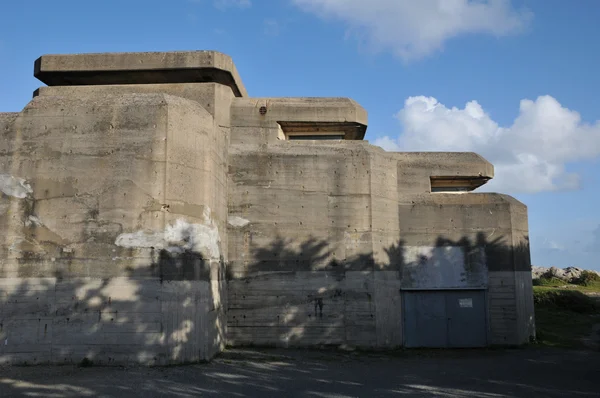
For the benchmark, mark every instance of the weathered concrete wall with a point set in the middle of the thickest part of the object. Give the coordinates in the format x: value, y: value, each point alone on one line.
x: 114, y: 229
x: 297, y: 242
x: 326, y: 235
x: 471, y: 229
x: 213, y: 97
x: 522, y: 268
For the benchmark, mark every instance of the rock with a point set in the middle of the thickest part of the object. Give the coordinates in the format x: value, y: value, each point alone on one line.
x: 537, y: 272
x: 556, y: 273
x: 569, y: 274
x: 572, y: 273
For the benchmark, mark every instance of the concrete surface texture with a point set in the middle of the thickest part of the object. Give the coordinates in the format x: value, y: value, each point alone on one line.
x: 153, y: 213
x: 290, y: 373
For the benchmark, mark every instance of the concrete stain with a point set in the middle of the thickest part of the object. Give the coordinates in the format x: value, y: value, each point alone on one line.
x: 15, y: 186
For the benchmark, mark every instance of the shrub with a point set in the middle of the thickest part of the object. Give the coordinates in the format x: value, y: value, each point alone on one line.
x: 587, y: 278
x: 565, y: 300
x: 546, y: 280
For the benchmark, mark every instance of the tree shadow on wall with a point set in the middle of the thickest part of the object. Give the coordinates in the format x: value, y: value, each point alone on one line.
x: 167, y: 312
x: 116, y: 320
x: 298, y: 294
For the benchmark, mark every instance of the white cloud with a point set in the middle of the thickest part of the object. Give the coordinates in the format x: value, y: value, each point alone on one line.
x: 552, y: 245
x: 529, y: 156
x: 416, y: 28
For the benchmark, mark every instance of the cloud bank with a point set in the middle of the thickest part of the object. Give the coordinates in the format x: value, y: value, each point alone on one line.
x: 529, y: 156
x: 413, y: 29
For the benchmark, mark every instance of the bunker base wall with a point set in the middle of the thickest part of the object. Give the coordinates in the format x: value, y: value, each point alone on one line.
x: 326, y: 242
x: 113, y: 214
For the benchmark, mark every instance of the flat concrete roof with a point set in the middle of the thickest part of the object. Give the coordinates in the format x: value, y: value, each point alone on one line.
x: 139, y: 68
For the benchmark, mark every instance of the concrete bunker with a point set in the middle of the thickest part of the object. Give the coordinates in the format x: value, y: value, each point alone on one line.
x: 152, y: 212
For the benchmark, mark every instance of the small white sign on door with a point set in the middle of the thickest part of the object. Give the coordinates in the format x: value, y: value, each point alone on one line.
x: 465, y: 303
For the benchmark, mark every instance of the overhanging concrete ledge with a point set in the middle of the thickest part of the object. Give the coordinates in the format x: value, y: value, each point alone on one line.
x: 139, y: 68
x: 302, y: 114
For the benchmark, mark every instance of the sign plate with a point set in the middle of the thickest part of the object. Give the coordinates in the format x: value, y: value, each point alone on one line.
x: 465, y: 303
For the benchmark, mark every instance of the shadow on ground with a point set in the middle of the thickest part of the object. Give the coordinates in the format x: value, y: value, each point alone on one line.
x: 310, y: 373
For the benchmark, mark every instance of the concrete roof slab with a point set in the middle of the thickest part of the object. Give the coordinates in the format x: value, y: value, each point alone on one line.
x: 139, y: 68
x: 448, y: 164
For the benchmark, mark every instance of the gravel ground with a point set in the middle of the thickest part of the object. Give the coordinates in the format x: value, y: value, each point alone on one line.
x: 288, y: 373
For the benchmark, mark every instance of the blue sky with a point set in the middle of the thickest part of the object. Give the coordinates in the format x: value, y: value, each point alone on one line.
x: 513, y: 80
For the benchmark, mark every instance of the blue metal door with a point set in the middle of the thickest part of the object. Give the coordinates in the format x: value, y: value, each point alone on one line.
x: 466, y: 312
x: 445, y: 318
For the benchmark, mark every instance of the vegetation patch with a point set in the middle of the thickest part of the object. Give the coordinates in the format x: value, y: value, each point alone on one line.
x: 588, y: 282
x: 564, y: 300
x: 588, y: 279
x: 548, y: 281
x: 564, y: 318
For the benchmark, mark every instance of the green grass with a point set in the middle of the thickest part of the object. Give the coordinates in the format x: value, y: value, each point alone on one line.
x: 564, y: 300
x: 563, y: 328
x: 554, y: 283
x: 565, y: 316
